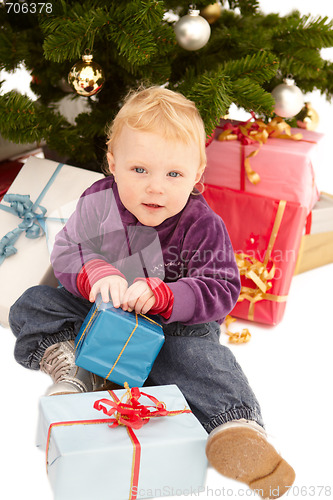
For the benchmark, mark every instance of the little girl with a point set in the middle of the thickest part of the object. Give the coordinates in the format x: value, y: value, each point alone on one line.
x: 144, y: 238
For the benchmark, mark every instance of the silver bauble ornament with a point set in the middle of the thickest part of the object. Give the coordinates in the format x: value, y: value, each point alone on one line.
x: 288, y: 98
x: 86, y: 76
x: 192, y: 31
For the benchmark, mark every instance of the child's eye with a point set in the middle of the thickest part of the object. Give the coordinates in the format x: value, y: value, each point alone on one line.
x: 174, y: 174
x: 139, y: 170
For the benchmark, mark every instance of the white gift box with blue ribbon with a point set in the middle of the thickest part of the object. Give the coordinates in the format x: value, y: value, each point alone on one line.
x: 34, y: 209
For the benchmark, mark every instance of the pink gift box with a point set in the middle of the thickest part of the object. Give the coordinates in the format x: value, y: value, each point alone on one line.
x: 285, y: 166
x: 267, y: 233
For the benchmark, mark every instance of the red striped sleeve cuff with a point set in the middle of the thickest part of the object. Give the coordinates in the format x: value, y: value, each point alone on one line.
x: 164, y: 297
x: 93, y: 271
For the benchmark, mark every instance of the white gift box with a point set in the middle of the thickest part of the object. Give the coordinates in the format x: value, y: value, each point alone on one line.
x: 30, y: 265
x: 87, y: 459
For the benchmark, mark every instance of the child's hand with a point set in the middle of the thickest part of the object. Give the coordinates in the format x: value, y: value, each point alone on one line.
x: 113, y: 287
x: 138, y: 297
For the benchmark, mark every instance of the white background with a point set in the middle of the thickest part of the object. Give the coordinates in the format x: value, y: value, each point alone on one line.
x: 289, y: 367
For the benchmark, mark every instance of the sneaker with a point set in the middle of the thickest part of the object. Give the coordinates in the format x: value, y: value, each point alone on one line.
x: 59, y: 362
x: 240, y: 450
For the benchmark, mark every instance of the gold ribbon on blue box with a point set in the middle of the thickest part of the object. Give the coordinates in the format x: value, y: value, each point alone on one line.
x: 118, y: 345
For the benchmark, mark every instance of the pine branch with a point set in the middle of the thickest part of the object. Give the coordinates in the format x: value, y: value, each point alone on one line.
x: 252, y: 97
x: 325, y: 83
x: 70, y: 143
x: 130, y: 43
x: 13, y: 48
x: 22, y: 120
x: 247, y: 7
x: 301, y: 61
x: 260, y: 67
x: 157, y: 71
x: 133, y: 28
x: 140, y: 33
x: 67, y: 38
x: 212, y: 88
x: 235, y: 81
x: 148, y: 13
x: 315, y: 33
x: 93, y: 124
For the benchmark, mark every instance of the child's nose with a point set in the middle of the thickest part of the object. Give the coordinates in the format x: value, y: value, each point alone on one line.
x: 155, y: 186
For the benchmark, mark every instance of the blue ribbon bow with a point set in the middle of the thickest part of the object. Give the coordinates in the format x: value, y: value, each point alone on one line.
x: 33, y: 222
x: 33, y: 215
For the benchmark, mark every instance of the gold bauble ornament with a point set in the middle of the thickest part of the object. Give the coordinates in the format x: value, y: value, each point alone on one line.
x: 86, y: 76
x: 308, y: 117
x: 212, y: 12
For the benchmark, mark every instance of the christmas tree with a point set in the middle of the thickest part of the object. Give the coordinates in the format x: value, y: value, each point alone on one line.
x: 134, y: 42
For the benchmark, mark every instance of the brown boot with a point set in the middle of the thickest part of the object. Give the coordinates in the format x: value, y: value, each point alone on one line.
x: 59, y: 362
x: 240, y: 450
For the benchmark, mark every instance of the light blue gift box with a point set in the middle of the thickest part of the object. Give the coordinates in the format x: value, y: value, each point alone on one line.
x: 95, y: 461
x: 118, y: 345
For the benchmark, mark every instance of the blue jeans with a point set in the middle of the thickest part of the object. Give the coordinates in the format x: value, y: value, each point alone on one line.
x: 192, y: 357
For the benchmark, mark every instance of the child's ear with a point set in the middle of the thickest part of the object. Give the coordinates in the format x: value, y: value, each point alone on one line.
x: 111, y: 162
x: 199, y: 173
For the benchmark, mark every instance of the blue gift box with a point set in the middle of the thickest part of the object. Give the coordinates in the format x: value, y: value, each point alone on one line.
x: 87, y: 459
x: 118, y: 345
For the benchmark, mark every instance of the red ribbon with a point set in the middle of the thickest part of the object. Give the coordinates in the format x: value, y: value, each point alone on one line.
x: 132, y: 413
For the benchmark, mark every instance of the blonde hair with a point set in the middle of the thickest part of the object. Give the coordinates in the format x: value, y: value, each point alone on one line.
x: 160, y: 110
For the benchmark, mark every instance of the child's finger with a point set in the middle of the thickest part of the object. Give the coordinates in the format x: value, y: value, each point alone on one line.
x: 95, y: 290
x: 144, y: 302
x: 129, y: 299
x: 105, y: 292
x: 148, y: 305
x: 118, y: 292
x: 115, y: 296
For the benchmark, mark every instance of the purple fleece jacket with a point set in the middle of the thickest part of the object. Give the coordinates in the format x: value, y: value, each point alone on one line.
x: 190, y: 251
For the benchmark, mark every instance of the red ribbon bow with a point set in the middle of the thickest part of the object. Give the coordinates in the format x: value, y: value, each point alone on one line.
x: 132, y: 413
x: 241, y: 133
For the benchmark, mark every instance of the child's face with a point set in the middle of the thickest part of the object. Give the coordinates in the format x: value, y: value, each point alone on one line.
x: 154, y: 176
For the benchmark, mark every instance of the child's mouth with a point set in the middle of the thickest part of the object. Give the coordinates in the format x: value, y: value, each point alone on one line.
x: 152, y: 205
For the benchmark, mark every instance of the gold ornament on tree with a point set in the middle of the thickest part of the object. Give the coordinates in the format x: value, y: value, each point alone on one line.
x: 212, y: 12
x: 86, y: 76
x: 192, y: 31
x: 308, y: 117
x: 288, y: 98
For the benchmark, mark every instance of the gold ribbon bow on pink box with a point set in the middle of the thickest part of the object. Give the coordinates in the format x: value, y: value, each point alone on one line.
x: 256, y: 131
